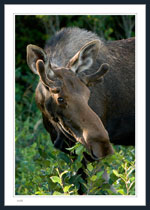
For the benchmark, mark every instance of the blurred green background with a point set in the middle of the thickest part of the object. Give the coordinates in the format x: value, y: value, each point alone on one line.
x: 41, y: 169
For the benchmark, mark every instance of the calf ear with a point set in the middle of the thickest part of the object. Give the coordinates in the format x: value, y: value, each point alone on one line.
x: 85, y: 57
x: 33, y: 54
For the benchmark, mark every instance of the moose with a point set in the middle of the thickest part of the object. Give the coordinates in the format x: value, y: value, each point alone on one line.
x: 86, y: 90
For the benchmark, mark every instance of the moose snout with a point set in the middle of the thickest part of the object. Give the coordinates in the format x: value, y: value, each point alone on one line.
x: 100, y: 150
x: 96, y: 138
x: 98, y: 145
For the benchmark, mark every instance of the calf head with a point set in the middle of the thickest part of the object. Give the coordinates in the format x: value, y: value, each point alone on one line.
x: 62, y: 95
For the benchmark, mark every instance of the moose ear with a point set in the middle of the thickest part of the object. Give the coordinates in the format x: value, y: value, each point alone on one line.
x: 85, y: 57
x: 35, y: 53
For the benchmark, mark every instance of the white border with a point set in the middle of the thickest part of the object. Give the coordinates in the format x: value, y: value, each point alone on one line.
x: 10, y: 198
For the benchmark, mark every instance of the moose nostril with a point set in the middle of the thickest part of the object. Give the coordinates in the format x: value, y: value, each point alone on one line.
x: 94, y: 156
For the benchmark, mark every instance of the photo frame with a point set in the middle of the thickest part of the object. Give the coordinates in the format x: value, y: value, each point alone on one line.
x: 13, y: 201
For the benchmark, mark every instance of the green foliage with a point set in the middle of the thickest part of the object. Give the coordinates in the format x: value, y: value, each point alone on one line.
x: 40, y: 169
x: 121, y: 170
x: 43, y: 170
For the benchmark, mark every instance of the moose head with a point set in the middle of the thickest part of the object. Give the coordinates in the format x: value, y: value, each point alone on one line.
x: 62, y: 95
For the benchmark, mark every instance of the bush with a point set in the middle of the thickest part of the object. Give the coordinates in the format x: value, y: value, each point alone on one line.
x: 43, y: 170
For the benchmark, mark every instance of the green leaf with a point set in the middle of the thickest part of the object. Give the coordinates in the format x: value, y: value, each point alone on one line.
x: 64, y: 172
x: 121, y: 191
x: 132, y: 179
x: 120, y: 175
x: 66, y: 188
x: 79, y: 150
x: 55, y: 179
x: 110, y: 192
x: 90, y: 167
x: 57, y: 193
x: 39, y: 193
x: 123, y: 177
x: 93, y: 178
x: 74, y: 147
x: 116, y: 173
x: 99, y: 174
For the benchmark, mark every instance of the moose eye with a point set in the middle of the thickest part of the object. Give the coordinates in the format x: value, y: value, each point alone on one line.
x: 46, y: 87
x: 60, y: 100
